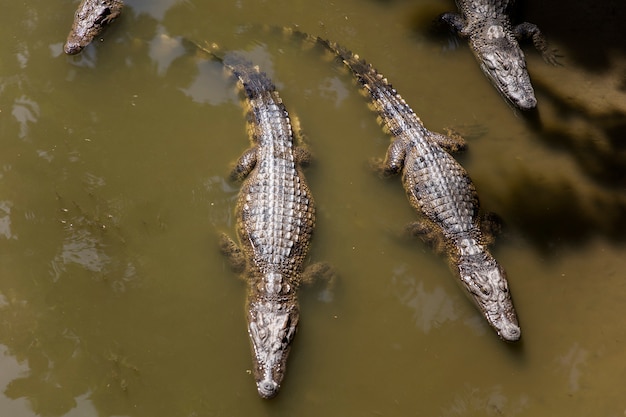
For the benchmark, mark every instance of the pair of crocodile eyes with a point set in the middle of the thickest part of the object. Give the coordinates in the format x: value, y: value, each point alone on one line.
x: 287, y: 331
x: 477, y: 288
x: 485, y: 289
x: 503, y: 64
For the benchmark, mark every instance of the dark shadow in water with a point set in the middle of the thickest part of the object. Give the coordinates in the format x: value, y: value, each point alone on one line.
x: 595, y: 140
x: 551, y: 212
x: 425, y: 23
x: 555, y: 213
x: 588, y: 31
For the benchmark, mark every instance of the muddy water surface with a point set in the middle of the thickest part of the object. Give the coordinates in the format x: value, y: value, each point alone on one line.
x: 114, y: 300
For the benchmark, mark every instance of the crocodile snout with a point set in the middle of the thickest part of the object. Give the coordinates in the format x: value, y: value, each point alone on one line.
x: 72, y: 48
x: 267, y: 388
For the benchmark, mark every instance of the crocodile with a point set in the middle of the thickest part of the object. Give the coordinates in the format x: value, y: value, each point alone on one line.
x: 494, y: 41
x: 90, y: 19
x: 275, y: 217
x: 440, y: 190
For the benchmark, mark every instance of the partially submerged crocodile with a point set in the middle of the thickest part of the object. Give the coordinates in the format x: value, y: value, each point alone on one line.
x: 494, y: 42
x: 91, y: 17
x: 440, y: 189
x: 275, y: 219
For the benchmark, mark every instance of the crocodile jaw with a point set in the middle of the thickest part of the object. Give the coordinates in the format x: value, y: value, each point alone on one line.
x: 272, y: 325
x: 486, y: 282
x: 503, y: 62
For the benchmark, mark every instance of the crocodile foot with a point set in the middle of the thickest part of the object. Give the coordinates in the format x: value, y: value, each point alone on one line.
x: 530, y: 30
x: 321, y: 272
x: 428, y: 233
x: 490, y: 226
x: 452, y: 141
x: 233, y: 253
x: 383, y: 170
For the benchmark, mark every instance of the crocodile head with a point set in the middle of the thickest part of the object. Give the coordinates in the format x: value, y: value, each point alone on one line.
x: 271, y: 327
x: 503, y: 61
x: 486, y: 282
x: 91, y: 17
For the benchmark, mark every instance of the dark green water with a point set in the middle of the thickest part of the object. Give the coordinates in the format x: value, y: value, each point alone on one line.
x: 114, y: 300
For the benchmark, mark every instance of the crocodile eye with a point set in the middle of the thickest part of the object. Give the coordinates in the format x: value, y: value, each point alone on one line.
x: 286, y: 339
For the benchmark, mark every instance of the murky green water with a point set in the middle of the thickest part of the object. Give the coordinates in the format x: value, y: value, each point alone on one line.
x: 114, y: 300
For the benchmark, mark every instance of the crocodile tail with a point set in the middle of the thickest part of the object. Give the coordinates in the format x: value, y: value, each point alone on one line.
x: 357, y: 65
x: 364, y: 72
x: 205, y: 50
x: 377, y: 88
x: 253, y: 80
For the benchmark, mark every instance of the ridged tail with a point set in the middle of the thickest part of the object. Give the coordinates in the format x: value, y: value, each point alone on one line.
x: 395, y: 114
x: 365, y: 73
x: 254, y: 81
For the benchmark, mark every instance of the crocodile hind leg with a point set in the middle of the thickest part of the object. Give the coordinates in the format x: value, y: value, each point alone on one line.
x: 302, y: 153
x: 455, y: 21
x: 394, y: 160
x: 303, y: 156
x: 452, y: 141
x: 244, y: 165
x: 530, y: 30
x: 233, y: 253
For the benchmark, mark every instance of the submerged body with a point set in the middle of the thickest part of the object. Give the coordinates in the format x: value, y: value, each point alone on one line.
x: 494, y: 42
x: 91, y: 17
x: 275, y: 219
x: 439, y: 188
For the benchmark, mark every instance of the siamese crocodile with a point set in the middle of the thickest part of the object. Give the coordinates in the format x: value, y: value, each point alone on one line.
x: 275, y: 217
x: 440, y: 190
x: 91, y: 17
x: 494, y: 42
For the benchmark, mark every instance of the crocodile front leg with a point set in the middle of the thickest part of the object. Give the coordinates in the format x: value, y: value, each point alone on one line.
x: 530, y: 30
x: 319, y: 271
x: 233, y: 253
x: 429, y: 233
x: 456, y: 22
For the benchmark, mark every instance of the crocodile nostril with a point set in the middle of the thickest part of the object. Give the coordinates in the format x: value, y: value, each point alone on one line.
x: 267, y: 388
